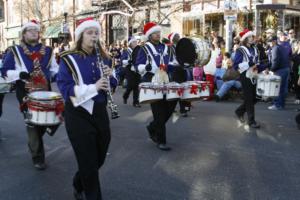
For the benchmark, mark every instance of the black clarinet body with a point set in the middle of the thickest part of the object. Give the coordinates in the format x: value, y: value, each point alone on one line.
x: 110, y: 101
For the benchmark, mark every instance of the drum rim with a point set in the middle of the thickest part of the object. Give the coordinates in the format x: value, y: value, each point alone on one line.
x: 58, y: 97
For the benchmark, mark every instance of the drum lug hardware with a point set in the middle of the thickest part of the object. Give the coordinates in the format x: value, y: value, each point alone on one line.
x: 28, y: 116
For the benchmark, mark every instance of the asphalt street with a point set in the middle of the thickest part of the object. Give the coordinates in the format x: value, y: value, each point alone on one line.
x: 213, y: 157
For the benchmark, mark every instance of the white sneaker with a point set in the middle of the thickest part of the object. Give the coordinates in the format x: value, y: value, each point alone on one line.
x: 297, y: 101
x: 273, y: 107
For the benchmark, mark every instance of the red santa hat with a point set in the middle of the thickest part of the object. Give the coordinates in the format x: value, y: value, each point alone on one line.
x: 172, y: 35
x: 150, y: 28
x: 84, y: 24
x: 246, y: 33
x: 31, y: 24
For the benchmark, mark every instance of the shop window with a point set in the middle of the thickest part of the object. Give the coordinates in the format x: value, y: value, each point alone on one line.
x: 1, y: 10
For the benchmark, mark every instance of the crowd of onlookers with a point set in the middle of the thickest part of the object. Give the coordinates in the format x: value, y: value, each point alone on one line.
x: 218, y: 71
x: 220, y: 64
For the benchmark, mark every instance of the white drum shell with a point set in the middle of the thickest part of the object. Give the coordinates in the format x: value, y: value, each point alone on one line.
x: 268, y: 85
x: 43, y: 117
x: 187, y: 95
x: 204, y: 85
x: 5, y: 87
x: 202, y: 50
x: 150, y: 93
x: 172, y: 91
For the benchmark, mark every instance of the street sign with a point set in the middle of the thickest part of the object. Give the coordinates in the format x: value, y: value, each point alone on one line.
x: 230, y: 10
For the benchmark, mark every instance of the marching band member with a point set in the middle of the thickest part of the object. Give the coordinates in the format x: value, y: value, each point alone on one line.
x: 152, y: 58
x: 1, y: 104
x: 246, y: 61
x: 178, y: 73
x: 83, y: 84
x: 32, y: 65
x: 133, y: 78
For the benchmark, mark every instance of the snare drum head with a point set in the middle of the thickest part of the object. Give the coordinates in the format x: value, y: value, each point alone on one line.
x: 185, y: 51
x: 44, y: 95
x: 193, y: 50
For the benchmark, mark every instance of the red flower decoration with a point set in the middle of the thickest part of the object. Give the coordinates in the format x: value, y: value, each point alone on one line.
x: 163, y: 67
x: 36, y: 55
x: 180, y: 91
x: 194, y: 89
x: 203, y: 86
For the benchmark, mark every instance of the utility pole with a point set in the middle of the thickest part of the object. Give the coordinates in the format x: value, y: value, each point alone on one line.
x: 21, y: 8
x: 74, y: 19
x: 49, y: 13
x: 158, y: 10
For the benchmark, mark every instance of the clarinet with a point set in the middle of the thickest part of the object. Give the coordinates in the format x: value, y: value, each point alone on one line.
x: 112, y: 106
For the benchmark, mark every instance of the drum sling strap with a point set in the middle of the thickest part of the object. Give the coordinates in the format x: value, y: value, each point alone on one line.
x: 71, y: 68
x: 247, y: 56
x: 16, y: 55
x: 148, y: 75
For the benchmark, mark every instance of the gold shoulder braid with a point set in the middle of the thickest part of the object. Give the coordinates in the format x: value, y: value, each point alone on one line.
x: 38, y: 80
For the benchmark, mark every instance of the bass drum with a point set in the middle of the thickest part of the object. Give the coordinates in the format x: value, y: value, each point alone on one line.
x: 193, y: 51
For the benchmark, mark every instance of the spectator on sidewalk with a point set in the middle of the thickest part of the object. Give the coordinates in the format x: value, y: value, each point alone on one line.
x: 220, y: 71
x: 210, y: 67
x: 280, y: 65
x: 295, y: 69
x: 230, y: 80
x: 293, y: 41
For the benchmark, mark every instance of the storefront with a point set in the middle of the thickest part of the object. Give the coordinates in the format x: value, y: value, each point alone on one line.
x: 52, y: 33
x: 12, y: 35
x: 277, y: 17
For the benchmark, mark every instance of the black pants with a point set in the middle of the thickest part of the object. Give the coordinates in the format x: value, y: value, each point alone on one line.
x: 295, y: 78
x: 179, y: 75
x: 133, y: 81
x: 184, y: 106
x: 249, y: 92
x: 1, y: 103
x: 135, y: 96
x: 90, y: 138
x: 162, y: 111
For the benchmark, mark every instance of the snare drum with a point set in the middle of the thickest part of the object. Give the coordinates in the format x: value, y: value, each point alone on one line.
x: 174, y: 91
x: 268, y: 85
x: 4, y: 86
x: 150, y: 92
x: 191, y: 91
x: 44, y: 108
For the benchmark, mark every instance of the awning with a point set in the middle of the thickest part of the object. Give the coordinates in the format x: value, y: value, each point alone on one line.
x: 12, y: 33
x: 52, y: 31
x: 277, y: 7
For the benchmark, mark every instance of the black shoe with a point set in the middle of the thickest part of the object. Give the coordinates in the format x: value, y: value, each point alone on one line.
x: 254, y: 125
x: 124, y: 100
x: 217, y: 98
x: 78, y: 195
x: 137, y: 105
x: 152, y: 135
x: 240, y: 117
x: 184, y: 114
x: 40, y: 166
x: 163, y: 147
